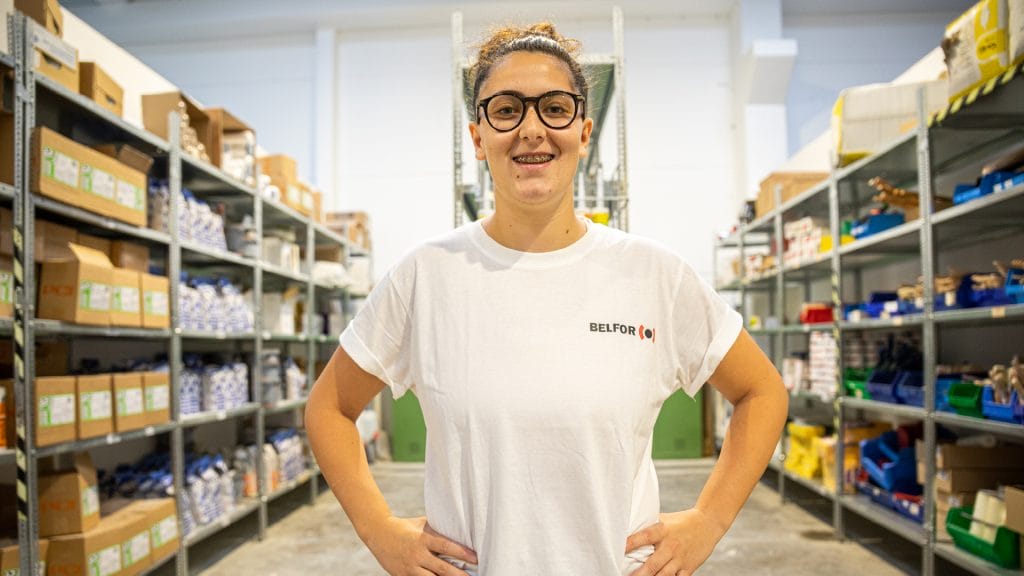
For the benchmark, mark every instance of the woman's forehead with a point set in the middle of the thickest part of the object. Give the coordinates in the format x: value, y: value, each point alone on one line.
x: 529, y: 73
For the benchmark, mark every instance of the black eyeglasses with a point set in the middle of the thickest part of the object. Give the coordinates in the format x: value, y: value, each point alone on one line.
x: 556, y: 109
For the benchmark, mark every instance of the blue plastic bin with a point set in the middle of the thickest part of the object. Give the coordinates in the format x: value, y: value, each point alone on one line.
x: 910, y: 388
x: 1007, y: 183
x: 894, y: 474
x: 991, y: 297
x: 1001, y: 412
x: 882, y: 386
x: 942, y: 384
x: 875, y: 224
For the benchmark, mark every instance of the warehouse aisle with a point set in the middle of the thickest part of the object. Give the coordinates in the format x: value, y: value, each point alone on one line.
x: 768, y: 538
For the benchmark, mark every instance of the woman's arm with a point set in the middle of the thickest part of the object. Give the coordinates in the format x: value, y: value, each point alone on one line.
x: 401, y: 546
x: 684, y: 540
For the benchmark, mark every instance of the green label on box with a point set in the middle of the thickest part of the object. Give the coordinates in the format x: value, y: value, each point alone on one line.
x: 130, y: 402
x: 130, y: 196
x: 6, y: 288
x: 95, y: 405
x: 135, y: 549
x: 125, y: 299
x: 105, y: 562
x: 164, y: 532
x: 60, y: 167
x: 94, y: 296
x: 158, y: 398
x: 98, y: 182
x: 56, y: 410
x: 156, y: 303
x: 90, y: 500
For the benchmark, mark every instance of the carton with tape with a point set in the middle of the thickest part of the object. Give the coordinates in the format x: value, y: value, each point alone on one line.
x: 126, y: 298
x: 95, y: 405
x: 975, y: 45
x: 129, y: 256
x: 233, y: 146
x: 157, y: 389
x: 77, y: 289
x: 156, y: 311
x: 1014, y: 496
x: 96, y: 552
x: 136, y: 547
x: 99, y: 87
x: 95, y: 242
x: 50, y: 243
x: 69, y: 500
x: 155, y: 108
x: 160, y: 515
x: 129, y: 402
x: 45, y: 12
x: 55, y: 410
x: 54, y: 58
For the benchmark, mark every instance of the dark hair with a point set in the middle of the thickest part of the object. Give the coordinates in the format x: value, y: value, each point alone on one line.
x: 539, y: 37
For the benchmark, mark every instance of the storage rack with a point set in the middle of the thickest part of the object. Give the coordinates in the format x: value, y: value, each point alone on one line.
x: 606, y: 74
x: 976, y: 126
x: 39, y: 98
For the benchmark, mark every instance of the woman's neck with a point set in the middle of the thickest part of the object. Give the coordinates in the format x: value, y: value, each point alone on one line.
x: 534, y: 231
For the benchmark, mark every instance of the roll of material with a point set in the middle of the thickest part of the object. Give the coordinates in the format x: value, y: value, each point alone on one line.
x: 989, y: 515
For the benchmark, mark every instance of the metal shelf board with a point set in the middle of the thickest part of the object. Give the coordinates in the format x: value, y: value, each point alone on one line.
x: 328, y: 287
x: 898, y: 157
x: 820, y: 263
x: 993, y: 105
x: 82, y: 103
x: 52, y: 207
x: 329, y: 236
x: 814, y: 200
x: 902, y: 239
x: 985, y: 219
x: 285, y: 406
x: 989, y: 315
x: 203, y: 532
x: 108, y: 440
x: 6, y: 191
x: 289, y: 486
x: 281, y: 215
x: 812, y: 485
x: 1003, y: 429
x: 806, y: 328
x: 159, y: 563
x: 883, y: 408
x: 730, y: 241
x: 887, y: 519
x: 970, y: 562
x: 57, y: 328
x: 218, y: 335
x: 286, y: 274
x: 763, y: 331
x: 7, y: 456
x: 275, y: 337
x: 205, y: 177
x: 325, y: 339
x: 213, y: 255
x: 730, y: 287
x: 766, y: 279
x: 201, y: 418
x: 883, y: 323
x: 764, y: 223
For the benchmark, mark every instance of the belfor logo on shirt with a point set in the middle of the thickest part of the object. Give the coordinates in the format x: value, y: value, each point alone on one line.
x: 644, y: 332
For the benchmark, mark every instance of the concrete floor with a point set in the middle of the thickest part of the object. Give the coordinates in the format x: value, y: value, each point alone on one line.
x: 769, y: 538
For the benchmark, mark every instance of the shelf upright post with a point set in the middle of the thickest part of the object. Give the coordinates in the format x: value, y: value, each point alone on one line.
x: 457, y: 116
x: 924, y: 175
x: 24, y: 296
x: 838, y: 419
x: 174, y: 362
x: 779, y: 305
x: 257, y: 363
x: 311, y: 335
x: 620, y: 111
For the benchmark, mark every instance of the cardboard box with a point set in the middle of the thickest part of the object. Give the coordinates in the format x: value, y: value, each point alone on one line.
x: 45, y: 12
x: 6, y: 287
x: 223, y: 123
x: 95, y: 552
x: 96, y: 85
x: 975, y: 45
x: 127, y: 155
x: 129, y: 402
x: 305, y: 202
x: 78, y: 175
x: 51, y: 240
x: 157, y: 389
x: 136, y: 550
x: 77, y: 290
x: 95, y: 405
x: 10, y: 558
x: 156, y: 312
x: 54, y: 58
x: 94, y: 242
x: 318, y: 206
x: 330, y: 253
x: 955, y: 480
x: 126, y: 298
x: 279, y: 165
x: 953, y: 456
x: 155, y: 108
x: 1014, y: 499
x: 129, y: 256
x: 161, y: 516
x: 867, y: 118
x: 69, y: 500
x: 55, y: 410
x: 792, y: 183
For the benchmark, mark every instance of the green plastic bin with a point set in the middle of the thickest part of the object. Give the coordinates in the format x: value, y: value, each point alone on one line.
x: 1005, y: 551
x: 965, y: 398
x: 408, y: 430
x: 679, y: 430
x: 856, y: 382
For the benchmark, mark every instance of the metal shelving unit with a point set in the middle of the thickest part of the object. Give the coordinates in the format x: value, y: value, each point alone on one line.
x: 606, y: 74
x: 963, y: 135
x: 38, y: 99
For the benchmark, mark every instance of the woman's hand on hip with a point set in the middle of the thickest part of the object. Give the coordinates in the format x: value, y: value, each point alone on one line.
x: 410, y: 547
x: 682, y: 542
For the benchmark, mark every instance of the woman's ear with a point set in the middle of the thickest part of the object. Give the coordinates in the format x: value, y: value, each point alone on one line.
x: 588, y: 128
x: 474, y: 133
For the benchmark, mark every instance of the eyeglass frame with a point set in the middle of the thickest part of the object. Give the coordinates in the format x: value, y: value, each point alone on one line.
x: 577, y: 99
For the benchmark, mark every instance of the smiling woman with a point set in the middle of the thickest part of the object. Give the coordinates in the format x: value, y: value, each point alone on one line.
x: 529, y: 339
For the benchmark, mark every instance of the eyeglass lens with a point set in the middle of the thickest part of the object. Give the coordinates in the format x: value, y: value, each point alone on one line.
x: 556, y: 110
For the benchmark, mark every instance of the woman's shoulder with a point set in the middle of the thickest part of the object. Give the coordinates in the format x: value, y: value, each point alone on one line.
x: 635, y: 246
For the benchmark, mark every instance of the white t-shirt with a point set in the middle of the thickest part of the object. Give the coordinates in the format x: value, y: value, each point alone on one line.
x: 540, y: 376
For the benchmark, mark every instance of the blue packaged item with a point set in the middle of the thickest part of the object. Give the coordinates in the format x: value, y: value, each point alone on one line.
x: 960, y: 298
x: 875, y: 224
x: 991, y: 297
x: 1009, y: 182
x: 993, y: 410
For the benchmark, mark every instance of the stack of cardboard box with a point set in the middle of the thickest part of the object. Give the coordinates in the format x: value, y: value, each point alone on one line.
x: 54, y: 57
x: 960, y: 471
x: 353, y: 225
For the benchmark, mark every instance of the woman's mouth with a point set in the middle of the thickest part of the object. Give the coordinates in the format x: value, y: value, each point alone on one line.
x: 533, y: 159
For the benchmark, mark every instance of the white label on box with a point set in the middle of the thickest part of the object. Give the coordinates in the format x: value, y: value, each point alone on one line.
x: 294, y: 195
x: 165, y: 531
x: 56, y: 410
x: 90, y: 500
x: 136, y: 549
x: 54, y: 47
x: 950, y: 298
x: 129, y: 402
x: 126, y: 299
x: 95, y: 405
x: 892, y: 306
x: 57, y: 166
x: 6, y: 288
x: 158, y: 398
x: 105, y: 562
x: 129, y: 196
x: 98, y: 182
x: 156, y: 303
x: 94, y: 296
x: 307, y: 200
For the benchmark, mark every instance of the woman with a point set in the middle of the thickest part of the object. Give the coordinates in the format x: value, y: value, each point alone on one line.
x: 541, y: 349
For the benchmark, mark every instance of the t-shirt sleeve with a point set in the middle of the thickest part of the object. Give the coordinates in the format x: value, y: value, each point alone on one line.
x: 377, y: 339
x: 704, y: 326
